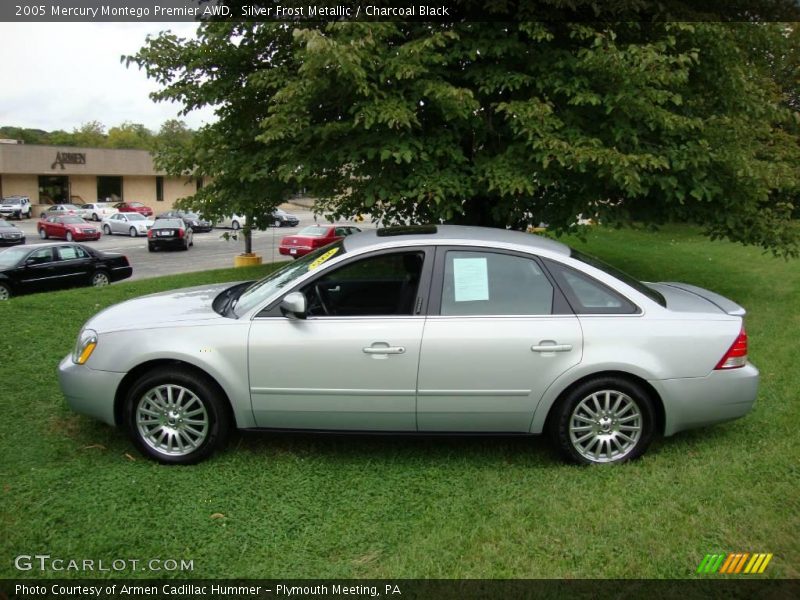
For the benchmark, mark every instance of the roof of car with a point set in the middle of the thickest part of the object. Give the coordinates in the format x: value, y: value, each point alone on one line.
x: 458, y: 234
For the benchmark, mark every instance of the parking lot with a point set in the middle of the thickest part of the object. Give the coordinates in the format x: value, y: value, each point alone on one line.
x: 210, y: 251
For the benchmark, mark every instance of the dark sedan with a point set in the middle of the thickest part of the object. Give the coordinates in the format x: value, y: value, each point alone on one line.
x: 10, y: 234
x: 47, y: 267
x: 280, y: 218
x: 169, y: 233
x: 193, y: 220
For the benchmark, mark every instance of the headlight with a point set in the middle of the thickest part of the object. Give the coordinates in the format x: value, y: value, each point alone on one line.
x: 87, y: 342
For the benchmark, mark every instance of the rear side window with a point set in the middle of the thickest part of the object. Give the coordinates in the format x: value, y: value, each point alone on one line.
x: 71, y: 252
x: 488, y: 283
x: 587, y: 295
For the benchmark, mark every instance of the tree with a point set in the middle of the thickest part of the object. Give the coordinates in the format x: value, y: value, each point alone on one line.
x: 90, y: 135
x: 130, y: 135
x: 497, y: 124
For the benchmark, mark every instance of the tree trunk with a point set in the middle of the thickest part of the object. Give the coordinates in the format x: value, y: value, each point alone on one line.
x: 248, y: 239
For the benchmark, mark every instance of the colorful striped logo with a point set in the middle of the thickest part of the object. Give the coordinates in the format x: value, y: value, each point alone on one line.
x: 735, y: 563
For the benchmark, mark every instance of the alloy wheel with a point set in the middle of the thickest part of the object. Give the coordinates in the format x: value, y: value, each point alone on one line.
x: 605, y: 426
x: 172, y: 420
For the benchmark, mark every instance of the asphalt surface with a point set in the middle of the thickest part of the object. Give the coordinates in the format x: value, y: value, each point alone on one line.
x: 210, y: 251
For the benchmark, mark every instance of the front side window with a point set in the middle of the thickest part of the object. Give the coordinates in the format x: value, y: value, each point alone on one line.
x: 489, y: 283
x: 381, y: 285
x: 38, y: 257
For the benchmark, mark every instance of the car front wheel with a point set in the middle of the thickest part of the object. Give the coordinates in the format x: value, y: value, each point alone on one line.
x: 176, y: 417
x: 107, y: 229
x: 603, y: 421
x: 5, y: 292
x: 69, y: 236
x: 132, y: 231
x: 43, y: 234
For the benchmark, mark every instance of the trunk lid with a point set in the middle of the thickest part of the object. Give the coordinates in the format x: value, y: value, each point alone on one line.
x: 684, y: 297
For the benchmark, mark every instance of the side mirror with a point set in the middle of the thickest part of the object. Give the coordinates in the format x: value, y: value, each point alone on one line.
x: 294, y: 305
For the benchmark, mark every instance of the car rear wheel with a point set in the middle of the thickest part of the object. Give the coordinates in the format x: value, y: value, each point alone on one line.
x: 95, y: 217
x: 69, y: 236
x: 43, y: 234
x: 5, y: 292
x: 150, y: 248
x: 107, y: 229
x: 277, y: 223
x: 603, y: 421
x: 132, y: 232
x: 100, y: 279
x: 235, y: 225
x: 176, y: 416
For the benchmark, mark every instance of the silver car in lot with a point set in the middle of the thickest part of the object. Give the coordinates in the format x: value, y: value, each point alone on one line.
x: 429, y: 329
x: 127, y: 223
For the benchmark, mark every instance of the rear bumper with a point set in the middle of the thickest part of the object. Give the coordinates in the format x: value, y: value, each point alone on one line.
x: 298, y: 250
x: 169, y: 243
x: 118, y: 273
x: 89, y: 392
x: 699, y: 401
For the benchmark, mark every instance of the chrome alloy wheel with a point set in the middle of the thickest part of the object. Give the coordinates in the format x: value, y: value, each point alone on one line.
x: 172, y: 420
x: 605, y: 426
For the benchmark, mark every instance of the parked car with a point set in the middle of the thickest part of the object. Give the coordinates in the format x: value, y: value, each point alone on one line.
x: 433, y: 329
x: 68, y: 228
x: 51, y: 266
x: 280, y: 218
x: 129, y: 223
x: 15, y: 207
x: 61, y: 210
x: 134, y: 207
x: 169, y: 233
x: 234, y: 222
x: 193, y: 220
x: 10, y: 234
x: 313, y: 237
x: 96, y: 211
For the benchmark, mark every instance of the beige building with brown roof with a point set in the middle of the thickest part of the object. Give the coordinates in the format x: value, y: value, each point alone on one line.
x: 57, y: 174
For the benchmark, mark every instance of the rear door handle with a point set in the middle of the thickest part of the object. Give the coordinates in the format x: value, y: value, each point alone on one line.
x: 384, y: 350
x: 333, y: 290
x: 552, y: 348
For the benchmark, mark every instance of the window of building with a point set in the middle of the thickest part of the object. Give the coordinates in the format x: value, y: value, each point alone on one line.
x: 490, y: 283
x: 159, y: 188
x: 53, y: 189
x: 109, y: 188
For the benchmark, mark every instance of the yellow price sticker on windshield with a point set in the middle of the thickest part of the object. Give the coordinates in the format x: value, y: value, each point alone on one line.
x: 321, y: 259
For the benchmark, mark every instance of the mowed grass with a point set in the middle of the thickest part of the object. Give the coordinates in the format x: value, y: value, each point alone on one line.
x: 312, y: 506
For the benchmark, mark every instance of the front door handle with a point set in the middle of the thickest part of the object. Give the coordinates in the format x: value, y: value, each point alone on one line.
x: 551, y: 347
x: 384, y: 350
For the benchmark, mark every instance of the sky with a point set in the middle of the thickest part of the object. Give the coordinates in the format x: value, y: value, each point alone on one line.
x: 61, y: 75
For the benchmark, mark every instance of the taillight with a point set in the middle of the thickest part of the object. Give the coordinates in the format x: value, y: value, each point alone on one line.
x: 180, y: 233
x: 736, y: 356
x: 317, y: 242
x: 149, y: 233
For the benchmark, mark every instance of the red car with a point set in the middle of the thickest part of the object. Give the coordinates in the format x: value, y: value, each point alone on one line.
x: 138, y: 207
x: 69, y: 228
x: 313, y: 237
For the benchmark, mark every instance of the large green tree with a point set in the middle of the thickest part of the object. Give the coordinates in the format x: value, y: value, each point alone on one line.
x: 498, y: 124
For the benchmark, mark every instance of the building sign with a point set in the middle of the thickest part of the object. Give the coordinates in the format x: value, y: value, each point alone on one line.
x: 69, y: 158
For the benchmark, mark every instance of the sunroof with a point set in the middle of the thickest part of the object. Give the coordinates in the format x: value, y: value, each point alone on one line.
x: 406, y: 230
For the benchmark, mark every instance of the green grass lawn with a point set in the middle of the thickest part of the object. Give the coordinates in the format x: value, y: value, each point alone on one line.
x: 311, y: 506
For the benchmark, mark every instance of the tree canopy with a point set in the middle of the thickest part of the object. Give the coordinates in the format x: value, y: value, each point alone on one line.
x: 497, y: 124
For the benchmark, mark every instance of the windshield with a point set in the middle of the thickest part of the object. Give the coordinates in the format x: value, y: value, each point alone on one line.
x: 167, y: 223
x: 135, y: 204
x: 4, y: 223
x: 621, y: 275
x: 10, y: 257
x: 264, y: 288
x: 313, y: 231
x: 12, y: 200
x: 135, y: 217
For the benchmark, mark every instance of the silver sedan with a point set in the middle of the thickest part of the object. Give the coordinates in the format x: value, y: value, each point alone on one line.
x: 127, y: 223
x: 430, y: 329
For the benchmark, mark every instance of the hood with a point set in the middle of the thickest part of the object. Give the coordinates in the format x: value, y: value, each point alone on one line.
x: 188, y: 305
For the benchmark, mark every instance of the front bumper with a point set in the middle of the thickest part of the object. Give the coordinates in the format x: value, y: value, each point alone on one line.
x: 698, y: 401
x: 88, y: 391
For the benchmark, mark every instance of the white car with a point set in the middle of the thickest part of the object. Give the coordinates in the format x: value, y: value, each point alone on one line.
x: 235, y: 222
x: 96, y: 211
x: 429, y: 330
x: 128, y: 223
x: 16, y: 207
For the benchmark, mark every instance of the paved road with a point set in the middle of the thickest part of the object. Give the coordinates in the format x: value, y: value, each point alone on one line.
x: 210, y: 250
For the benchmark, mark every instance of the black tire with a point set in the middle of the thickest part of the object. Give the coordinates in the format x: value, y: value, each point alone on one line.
x: 70, y: 236
x: 150, y: 248
x: 100, y: 278
x: 202, y: 392
x: 107, y: 229
x: 603, y: 442
x: 95, y: 217
x: 132, y: 232
x: 235, y: 226
x: 43, y: 234
x: 5, y: 292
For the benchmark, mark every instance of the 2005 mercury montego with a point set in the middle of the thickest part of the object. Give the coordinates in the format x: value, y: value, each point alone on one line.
x: 429, y: 329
